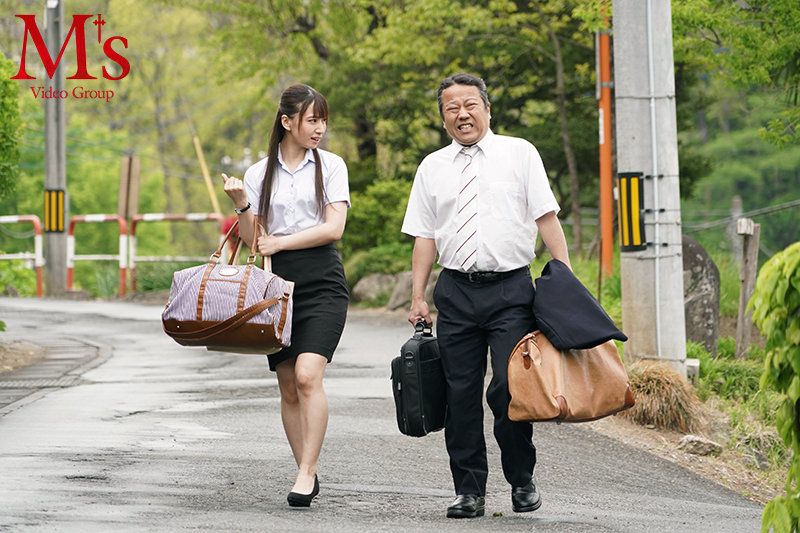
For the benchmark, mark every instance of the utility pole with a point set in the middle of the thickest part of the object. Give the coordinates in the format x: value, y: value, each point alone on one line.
x: 55, y: 163
x: 606, y: 186
x: 647, y: 156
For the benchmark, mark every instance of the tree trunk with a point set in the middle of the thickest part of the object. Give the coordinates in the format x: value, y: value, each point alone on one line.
x: 163, y: 142
x: 569, y: 154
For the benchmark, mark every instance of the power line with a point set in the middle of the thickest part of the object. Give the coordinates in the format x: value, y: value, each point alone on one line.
x: 727, y: 220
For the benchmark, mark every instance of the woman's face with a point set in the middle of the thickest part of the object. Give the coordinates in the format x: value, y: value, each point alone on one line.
x: 305, y: 131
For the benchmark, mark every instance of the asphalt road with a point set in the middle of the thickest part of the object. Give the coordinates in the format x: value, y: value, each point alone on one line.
x: 121, y: 429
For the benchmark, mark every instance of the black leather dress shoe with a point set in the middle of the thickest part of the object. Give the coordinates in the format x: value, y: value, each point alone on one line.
x: 467, y: 506
x: 525, y: 498
x: 296, y: 499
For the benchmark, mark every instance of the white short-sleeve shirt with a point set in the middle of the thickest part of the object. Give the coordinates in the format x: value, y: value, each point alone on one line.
x: 513, y: 191
x: 293, y: 206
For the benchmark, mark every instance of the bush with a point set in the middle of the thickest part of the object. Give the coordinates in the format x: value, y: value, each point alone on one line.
x: 10, y: 124
x: 386, y: 259
x: 664, y: 398
x: 15, y: 273
x: 776, y: 311
x: 376, y: 216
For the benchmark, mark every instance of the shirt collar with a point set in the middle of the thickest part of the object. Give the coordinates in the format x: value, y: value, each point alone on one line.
x: 484, y: 144
x: 308, y: 159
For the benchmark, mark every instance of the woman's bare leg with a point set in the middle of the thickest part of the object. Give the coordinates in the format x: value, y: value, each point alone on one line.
x: 290, y: 407
x: 309, y: 369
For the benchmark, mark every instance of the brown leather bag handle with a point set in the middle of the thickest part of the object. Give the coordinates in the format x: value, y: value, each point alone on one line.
x: 240, y: 242
x: 284, y: 311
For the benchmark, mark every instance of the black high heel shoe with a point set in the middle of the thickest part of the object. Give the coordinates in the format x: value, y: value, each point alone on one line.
x: 296, y: 499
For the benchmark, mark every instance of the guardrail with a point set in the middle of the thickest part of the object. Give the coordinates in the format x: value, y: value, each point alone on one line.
x: 122, y: 256
x: 126, y: 257
x: 37, y: 255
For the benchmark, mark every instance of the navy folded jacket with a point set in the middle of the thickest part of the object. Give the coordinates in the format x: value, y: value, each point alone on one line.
x: 567, y: 313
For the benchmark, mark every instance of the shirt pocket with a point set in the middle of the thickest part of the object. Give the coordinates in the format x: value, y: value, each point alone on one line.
x: 506, y: 200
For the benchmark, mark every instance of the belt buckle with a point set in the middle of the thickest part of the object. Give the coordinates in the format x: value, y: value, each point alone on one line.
x: 477, y: 277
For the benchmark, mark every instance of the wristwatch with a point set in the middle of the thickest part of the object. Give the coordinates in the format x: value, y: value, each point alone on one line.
x: 242, y: 210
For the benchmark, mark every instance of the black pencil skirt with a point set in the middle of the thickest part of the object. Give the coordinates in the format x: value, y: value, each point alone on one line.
x: 320, y: 300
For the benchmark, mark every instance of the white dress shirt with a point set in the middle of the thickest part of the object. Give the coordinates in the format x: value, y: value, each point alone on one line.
x: 513, y: 191
x: 293, y: 206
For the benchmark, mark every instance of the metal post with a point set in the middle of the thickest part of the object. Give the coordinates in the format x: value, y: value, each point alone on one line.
x: 646, y: 126
x: 748, y: 269
x: 55, y: 248
x: 606, y: 186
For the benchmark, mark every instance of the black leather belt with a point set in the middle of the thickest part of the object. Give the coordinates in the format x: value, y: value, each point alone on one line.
x: 485, y: 277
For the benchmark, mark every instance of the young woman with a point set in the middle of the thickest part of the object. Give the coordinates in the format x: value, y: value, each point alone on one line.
x: 300, y: 195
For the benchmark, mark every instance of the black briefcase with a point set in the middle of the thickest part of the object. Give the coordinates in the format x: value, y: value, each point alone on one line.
x: 420, y: 396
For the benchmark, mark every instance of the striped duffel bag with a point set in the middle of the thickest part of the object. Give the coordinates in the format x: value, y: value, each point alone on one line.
x: 229, y: 307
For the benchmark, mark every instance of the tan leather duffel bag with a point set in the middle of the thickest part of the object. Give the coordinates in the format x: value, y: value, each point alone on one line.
x: 547, y: 384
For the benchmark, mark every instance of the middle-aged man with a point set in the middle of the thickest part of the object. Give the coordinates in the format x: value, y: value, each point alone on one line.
x: 479, y: 202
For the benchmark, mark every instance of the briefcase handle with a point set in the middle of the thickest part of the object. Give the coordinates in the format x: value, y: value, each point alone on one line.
x: 421, y: 329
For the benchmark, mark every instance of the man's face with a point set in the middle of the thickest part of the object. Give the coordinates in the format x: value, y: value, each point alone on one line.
x: 466, y: 117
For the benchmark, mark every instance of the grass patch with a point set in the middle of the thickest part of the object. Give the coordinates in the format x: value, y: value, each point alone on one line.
x: 731, y: 386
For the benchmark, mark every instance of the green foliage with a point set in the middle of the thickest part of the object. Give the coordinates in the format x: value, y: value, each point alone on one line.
x: 376, y: 216
x: 595, y: 14
x: 28, y: 192
x: 157, y: 276
x: 389, y: 258
x: 760, y: 173
x: 10, y: 124
x: 746, y: 43
x: 776, y: 311
x: 380, y: 64
x: 15, y: 273
x: 751, y: 424
x: 725, y: 376
x: 726, y: 347
x: 729, y: 283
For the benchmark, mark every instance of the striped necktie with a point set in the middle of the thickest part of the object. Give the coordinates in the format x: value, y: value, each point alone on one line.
x: 467, y: 216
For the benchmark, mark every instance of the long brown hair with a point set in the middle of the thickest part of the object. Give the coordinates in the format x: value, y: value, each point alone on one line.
x: 294, y: 101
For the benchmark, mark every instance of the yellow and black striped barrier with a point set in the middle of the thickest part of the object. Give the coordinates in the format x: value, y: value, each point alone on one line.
x: 54, y: 210
x: 630, y: 198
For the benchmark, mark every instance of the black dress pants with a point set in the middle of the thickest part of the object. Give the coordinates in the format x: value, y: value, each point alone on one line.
x: 474, y: 317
